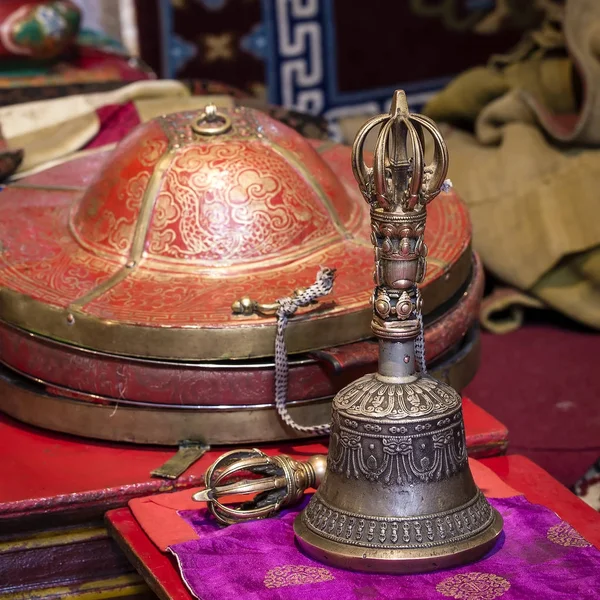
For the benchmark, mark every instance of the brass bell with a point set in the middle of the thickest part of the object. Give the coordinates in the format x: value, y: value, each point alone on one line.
x: 398, y: 495
x: 270, y: 482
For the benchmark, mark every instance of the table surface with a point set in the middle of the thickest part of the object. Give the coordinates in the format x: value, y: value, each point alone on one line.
x: 539, y: 487
x: 51, y: 473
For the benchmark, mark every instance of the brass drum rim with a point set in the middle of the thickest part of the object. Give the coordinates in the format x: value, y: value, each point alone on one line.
x: 230, y: 363
x: 111, y: 422
x: 430, y: 319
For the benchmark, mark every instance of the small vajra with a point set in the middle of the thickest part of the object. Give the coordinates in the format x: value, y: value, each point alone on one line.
x: 274, y: 482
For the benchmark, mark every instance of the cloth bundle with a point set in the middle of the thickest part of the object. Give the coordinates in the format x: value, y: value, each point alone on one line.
x: 36, y: 135
x: 52, y: 130
x: 529, y: 170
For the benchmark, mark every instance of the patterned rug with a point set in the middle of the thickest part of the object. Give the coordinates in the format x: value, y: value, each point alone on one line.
x: 318, y: 57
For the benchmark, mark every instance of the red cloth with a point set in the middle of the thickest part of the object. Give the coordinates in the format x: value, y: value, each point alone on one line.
x: 116, y: 121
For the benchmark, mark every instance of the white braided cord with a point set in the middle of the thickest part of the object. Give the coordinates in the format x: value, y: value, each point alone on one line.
x: 420, y: 341
x: 287, y: 307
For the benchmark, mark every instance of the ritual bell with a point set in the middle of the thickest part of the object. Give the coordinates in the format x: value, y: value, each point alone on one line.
x: 398, y: 495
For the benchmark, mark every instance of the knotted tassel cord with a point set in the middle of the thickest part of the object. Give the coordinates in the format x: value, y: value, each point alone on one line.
x: 287, y: 307
x: 420, y: 340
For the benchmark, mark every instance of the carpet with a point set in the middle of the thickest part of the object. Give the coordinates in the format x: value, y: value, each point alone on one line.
x: 542, y: 381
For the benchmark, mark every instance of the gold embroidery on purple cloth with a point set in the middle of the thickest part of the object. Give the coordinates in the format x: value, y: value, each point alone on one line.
x: 473, y: 586
x: 564, y: 535
x: 290, y: 575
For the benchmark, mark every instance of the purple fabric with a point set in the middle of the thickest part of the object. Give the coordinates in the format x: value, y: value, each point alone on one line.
x: 538, y: 557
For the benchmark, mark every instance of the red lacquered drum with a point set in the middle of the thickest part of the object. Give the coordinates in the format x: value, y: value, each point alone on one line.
x: 120, y: 269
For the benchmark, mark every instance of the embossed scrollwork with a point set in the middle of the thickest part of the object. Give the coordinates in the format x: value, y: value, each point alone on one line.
x: 391, y: 533
x: 369, y: 396
x: 431, y: 454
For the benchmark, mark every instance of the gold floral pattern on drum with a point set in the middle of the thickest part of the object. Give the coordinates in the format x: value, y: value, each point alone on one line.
x: 369, y: 396
x: 106, y: 217
x: 473, y: 586
x: 185, y: 298
x: 46, y: 263
x: 339, y: 160
x: 258, y: 207
x: 117, y: 231
x: 292, y: 575
x: 152, y: 150
x: 564, y: 535
x: 289, y: 141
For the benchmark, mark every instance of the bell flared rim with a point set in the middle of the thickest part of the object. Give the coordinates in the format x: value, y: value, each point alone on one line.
x: 401, y: 561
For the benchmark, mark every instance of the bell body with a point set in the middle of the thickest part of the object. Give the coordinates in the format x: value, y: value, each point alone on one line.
x: 398, y: 494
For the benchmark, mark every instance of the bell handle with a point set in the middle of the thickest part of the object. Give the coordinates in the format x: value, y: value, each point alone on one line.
x: 381, y: 163
x: 440, y: 158
x: 379, y: 166
x: 417, y: 171
x: 362, y: 173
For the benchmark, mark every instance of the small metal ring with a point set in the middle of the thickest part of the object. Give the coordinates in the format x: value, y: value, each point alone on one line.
x: 211, y: 122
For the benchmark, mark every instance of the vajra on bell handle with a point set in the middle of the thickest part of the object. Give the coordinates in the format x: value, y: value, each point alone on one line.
x: 275, y: 482
x: 399, y: 181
